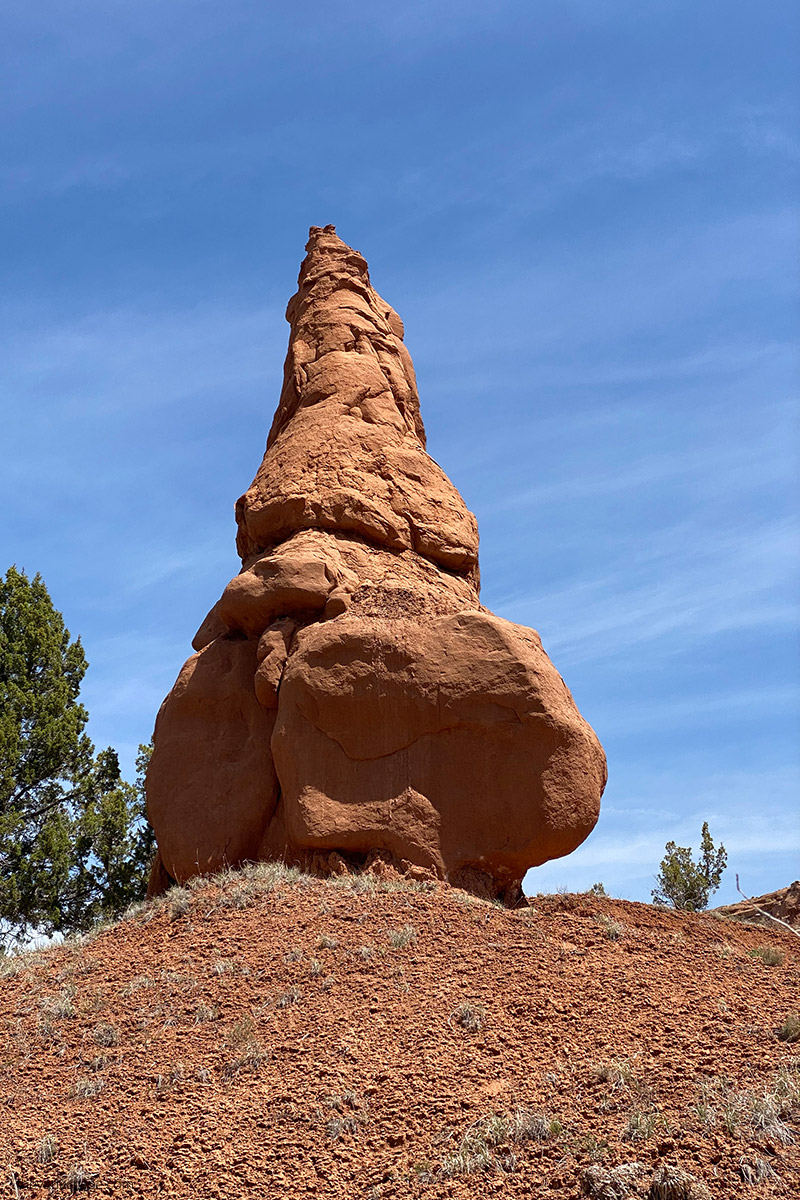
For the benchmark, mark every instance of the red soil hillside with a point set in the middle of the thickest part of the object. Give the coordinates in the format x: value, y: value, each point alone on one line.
x: 272, y: 1036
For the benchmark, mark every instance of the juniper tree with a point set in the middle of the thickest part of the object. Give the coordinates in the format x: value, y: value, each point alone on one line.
x: 74, y: 843
x: 687, y: 884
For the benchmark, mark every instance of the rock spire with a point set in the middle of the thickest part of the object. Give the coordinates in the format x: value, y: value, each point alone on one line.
x: 351, y: 701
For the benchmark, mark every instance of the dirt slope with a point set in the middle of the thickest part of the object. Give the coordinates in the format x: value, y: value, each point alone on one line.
x: 272, y: 1037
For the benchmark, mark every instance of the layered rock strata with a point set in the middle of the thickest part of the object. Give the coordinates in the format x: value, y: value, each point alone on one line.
x: 350, y: 700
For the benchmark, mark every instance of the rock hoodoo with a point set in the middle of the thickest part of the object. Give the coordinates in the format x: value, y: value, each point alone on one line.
x: 350, y: 700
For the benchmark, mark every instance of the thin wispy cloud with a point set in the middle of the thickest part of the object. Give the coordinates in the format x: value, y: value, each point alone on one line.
x: 743, y: 582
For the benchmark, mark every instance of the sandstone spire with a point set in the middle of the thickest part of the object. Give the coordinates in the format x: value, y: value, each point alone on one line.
x: 346, y: 448
x: 350, y: 696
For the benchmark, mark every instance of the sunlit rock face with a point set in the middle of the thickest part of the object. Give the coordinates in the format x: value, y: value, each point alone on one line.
x: 351, y: 702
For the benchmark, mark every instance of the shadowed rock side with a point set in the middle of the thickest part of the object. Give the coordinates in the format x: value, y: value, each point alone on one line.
x: 350, y: 698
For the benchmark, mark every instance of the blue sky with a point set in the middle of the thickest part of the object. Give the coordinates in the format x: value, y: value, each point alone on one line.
x: 586, y: 214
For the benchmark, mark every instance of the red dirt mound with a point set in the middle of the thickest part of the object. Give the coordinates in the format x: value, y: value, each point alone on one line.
x: 270, y: 1035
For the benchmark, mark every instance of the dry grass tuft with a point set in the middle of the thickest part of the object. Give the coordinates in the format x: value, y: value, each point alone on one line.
x: 488, y: 1143
x: 398, y: 938
x: 469, y: 1016
x: 789, y: 1031
x: 673, y: 1183
x: 755, y: 1170
x: 640, y: 1125
x: 105, y: 1034
x: 616, y: 1071
x: 614, y: 1183
x: 87, y: 1087
x: 81, y: 1178
x: 350, y: 1115
x: 614, y: 930
x: 48, y: 1148
x: 773, y: 956
x: 60, y: 1007
x: 248, y: 1052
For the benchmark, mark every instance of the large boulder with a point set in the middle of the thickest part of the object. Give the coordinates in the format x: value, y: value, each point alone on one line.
x: 351, y: 699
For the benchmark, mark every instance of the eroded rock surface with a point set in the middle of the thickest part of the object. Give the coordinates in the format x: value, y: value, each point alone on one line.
x: 350, y: 699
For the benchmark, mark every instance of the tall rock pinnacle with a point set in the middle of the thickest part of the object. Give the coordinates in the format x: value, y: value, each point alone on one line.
x: 350, y: 699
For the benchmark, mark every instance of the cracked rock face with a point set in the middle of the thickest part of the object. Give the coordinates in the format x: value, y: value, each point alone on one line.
x: 350, y: 699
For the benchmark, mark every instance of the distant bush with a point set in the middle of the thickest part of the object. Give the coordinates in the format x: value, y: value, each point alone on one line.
x: 686, y: 884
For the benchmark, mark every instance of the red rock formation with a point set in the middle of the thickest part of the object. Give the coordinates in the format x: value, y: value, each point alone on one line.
x: 350, y: 695
x: 783, y: 904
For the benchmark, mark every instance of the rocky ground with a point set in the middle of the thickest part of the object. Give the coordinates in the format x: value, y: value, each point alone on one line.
x: 269, y: 1035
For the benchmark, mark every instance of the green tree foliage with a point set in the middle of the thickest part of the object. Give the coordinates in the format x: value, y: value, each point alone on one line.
x: 74, y: 842
x: 687, y: 884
